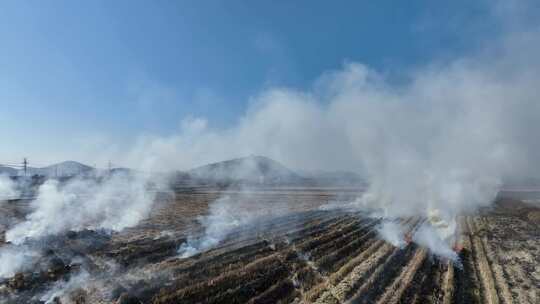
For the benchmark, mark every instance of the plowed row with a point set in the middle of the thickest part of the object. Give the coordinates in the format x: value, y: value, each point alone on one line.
x: 315, y: 256
x: 336, y: 257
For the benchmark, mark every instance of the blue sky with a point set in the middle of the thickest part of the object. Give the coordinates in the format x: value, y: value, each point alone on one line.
x: 77, y: 71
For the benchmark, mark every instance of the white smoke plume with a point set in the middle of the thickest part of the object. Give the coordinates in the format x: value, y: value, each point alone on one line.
x: 225, y: 215
x: 8, y: 189
x: 429, y: 237
x: 62, y: 290
x: 113, y: 204
x: 392, y: 232
x: 222, y: 218
x: 14, y: 259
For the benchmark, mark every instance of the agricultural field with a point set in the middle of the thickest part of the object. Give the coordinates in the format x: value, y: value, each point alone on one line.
x: 293, y: 251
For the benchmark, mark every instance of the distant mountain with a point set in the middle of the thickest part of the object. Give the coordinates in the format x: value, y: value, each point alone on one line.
x: 63, y: 169
x: 68, y: 168
x: 252, y: 169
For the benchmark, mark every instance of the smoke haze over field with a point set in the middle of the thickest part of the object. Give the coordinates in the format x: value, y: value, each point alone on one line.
x: 440, y: 143
x: 392, y: 232
x: 450, y: 118
x: 14, y: 259
x: 428, y: 139
x: 118, y: 202
x: 7, y: 188
x: 112, y: 203
x: 452, y: 133
x: 225, y: 215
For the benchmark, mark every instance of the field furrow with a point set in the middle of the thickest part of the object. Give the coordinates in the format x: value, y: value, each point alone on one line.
x: 301, y: 254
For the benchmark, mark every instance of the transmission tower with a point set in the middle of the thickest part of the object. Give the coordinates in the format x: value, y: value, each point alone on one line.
x: 25, y: 165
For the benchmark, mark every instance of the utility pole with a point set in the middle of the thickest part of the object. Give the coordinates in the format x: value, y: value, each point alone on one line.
x: 25, y: 165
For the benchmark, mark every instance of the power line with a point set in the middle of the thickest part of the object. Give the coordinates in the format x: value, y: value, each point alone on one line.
x: 11, y: 165
x: 21, y: 164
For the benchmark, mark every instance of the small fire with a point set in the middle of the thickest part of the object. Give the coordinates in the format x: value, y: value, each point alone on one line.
x: 408, y: 238
x: 458, y: 247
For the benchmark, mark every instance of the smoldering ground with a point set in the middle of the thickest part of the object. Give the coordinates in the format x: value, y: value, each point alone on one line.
x: 236, y: 213
x: 119, y: 201
x: 442, y: 142
x: 67, y: 223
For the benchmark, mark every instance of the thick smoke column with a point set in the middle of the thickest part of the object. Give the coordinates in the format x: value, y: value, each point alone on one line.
x: 118, y: 202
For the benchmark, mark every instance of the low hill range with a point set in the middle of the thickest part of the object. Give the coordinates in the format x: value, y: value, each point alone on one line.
x: 251, y: 170
x: 63, y: 169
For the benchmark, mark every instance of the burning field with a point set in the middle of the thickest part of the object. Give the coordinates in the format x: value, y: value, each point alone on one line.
x: 293, y: 245
x: 235, y: 160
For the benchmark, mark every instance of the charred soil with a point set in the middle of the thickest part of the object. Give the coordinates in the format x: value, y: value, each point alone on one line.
x: 307, y: 255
